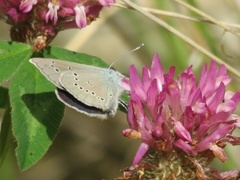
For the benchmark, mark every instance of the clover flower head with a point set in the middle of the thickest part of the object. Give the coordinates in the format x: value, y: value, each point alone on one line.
x: 32, y: 20
x: 180, y: 122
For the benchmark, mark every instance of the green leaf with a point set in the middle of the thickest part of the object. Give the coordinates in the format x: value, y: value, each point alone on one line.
x: 5, y: 135
x: 3, y: 97
x: 63, y: 54
x: 36, y: 114
x: 12, y: 55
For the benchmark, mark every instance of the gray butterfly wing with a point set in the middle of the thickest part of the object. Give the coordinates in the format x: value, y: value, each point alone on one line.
x: 53, y: 68
x: 97, y: 87
x: 93, y: 86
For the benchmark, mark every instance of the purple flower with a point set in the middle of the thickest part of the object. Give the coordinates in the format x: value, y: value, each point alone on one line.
x: 43, y: 19
x: 26, y: 5
x: 81, y: 10
x: 15, y: 9
x: 181, y: 116
x: 106, y: 2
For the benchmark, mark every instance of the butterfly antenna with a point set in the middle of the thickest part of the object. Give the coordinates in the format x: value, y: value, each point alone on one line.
x: 124, y: 55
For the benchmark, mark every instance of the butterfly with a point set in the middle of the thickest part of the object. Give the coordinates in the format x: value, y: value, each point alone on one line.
x: 91, y: 90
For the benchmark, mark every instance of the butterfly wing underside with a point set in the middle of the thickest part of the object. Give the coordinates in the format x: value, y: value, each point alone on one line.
x: 94, y: 87
x: 52, y: 68
x: 88, y: 89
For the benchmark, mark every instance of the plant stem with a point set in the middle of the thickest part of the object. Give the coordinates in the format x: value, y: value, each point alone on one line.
x: 209, y: 18
x: 180, y: 16
x: 182, y: 36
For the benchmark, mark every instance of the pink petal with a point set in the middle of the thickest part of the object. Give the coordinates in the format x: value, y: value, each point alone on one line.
x: 227, y: 106
x: 146, y: 79
x: 80, y: 18
x: 152, y: 95
x: 216, y: 98
x: 236, y: 97
x: 106, y: 2
x: 184, y: 146
x: 140, y: 153
x: 173, y: 95
x: 187, y: 82
x: 222, y: 130
x: 132, y: 121
x: 52, y: 12
x: 198, y: 103
x: 157, y: 132
x: 222, y: 76
x: 218, y: 152
x: 125, y: 84
x: 157, y: 71
x: 180, y: 130
x: 26, y: 5
x: 231, y: 139
x: 16, y: 16
x: 188, y: 119
x: 208, y: 79
x: 139, y: 119
x: 136, y: 84
x: 237, y: 124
